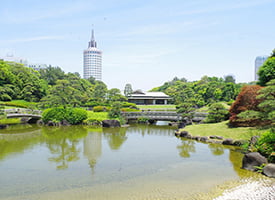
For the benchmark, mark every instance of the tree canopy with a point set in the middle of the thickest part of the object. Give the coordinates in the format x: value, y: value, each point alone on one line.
x: 19, y: 82
x: 267, y: 70
x: 205, y: 91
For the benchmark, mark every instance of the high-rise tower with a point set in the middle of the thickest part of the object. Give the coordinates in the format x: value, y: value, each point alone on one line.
x: 92, y: 60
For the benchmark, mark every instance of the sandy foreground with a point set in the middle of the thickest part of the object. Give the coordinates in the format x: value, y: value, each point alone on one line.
x: 252, y: 190
x: 246, y: 190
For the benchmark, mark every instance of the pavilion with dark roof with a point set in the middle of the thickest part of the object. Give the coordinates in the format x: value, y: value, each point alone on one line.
x: 149, y: 98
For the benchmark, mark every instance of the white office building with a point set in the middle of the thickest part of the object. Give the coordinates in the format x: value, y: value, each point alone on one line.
x: 92, y: 60
x: 259, y: 61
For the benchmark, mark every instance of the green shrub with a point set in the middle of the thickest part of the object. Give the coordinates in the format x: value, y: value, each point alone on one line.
x: 142, y: 120
x: 72, y: 115
x: 53, y: 114
x: 92, y: 121
x: 266, y: 145
x: 115, y: 112
x: 129, y: 105
x: 217, y: 113
x: 100, y: 109
x: 95, y: 103
x: 75, y: 115
x: 129, y: 110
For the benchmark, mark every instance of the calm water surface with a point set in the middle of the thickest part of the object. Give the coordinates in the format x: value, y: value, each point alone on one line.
x: 138, y: 162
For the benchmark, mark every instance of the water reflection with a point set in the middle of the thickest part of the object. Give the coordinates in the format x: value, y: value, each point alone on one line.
x: 93, y: 148
x: 20, y: 129
x: 115, y: 137
x: 15, y: 139
x: 216, y: 149
x: 187, y: 147
x: 152, y: 130
x: 62, y: 143
x: 137, y: 159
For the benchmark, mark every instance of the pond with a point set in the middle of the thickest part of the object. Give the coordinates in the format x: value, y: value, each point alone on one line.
x: 137, y: 162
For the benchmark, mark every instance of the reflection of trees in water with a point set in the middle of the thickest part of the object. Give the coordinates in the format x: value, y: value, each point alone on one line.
x: 62, y: 142
x: 235, y: 157
x: 216, y: 149
x: 12, y: 144
x: 20, y: 129
x: 93, y: 143
x: 115, y: 137
x: 187, y: 147
x: 93, y: 148
x: 152, y: 130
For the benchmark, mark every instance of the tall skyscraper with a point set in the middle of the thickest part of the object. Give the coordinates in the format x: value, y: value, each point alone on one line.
x: 259, y: 61
x: 92, y: 60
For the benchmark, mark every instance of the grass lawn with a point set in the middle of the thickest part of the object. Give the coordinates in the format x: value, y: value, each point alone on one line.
x: 157, y: 107
x: 10, y: 121
x: 100, y: 116
x: 17, y: 103
x: 221, y: 129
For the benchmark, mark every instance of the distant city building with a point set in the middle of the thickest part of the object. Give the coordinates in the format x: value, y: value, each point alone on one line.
x: 37, y: 67
x: 11, y: 58
x: 92, y: 60
x: 259, y: 61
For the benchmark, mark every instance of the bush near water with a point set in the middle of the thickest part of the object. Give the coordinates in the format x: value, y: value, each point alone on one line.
x: 71, y: 115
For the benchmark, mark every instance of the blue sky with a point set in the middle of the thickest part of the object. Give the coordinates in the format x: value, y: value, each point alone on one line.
x: 144, y: 42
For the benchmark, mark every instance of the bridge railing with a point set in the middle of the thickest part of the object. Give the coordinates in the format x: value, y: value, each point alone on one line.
x: 22, y: 111
x: 155, y: 115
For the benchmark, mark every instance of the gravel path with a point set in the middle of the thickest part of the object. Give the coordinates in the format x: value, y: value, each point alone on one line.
x: 255, y: 190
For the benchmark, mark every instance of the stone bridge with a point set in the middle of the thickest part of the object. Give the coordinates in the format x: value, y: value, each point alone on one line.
x: 153, y: 115
x: 30, y: 116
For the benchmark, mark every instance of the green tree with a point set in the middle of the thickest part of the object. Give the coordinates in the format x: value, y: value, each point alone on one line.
x: 100, y: 91
x: 267, y: 71
x: 229, y: 79
x: 28, y: 83
x: 115, y: 95
x: 52, y: 74
x: 61, y: 94
x: 186, y: 109
x: 217, y: 113
x: 229, y: 91
x: 92, y: 80
x: 115, y: 111
x: 265, y: 112
x: 19, y: 82
x: 128, y: 90
x: 267, y: 106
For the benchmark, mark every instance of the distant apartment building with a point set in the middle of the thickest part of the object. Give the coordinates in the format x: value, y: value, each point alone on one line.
x: 11, y: 58
x: 259, y: 61
x: 37, y: 67
x: 92, y: 60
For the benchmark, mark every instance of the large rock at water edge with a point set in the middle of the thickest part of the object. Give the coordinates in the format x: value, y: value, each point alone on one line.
x: 182, y: 134
x: 228, y: 141
x: 110, y: 123
x: 2, y: 126
x: 269, y: 170
x: 253, y: 160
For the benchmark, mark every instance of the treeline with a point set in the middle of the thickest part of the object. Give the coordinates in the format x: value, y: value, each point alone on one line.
x: 52, y: 87
x: 205, y: 91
